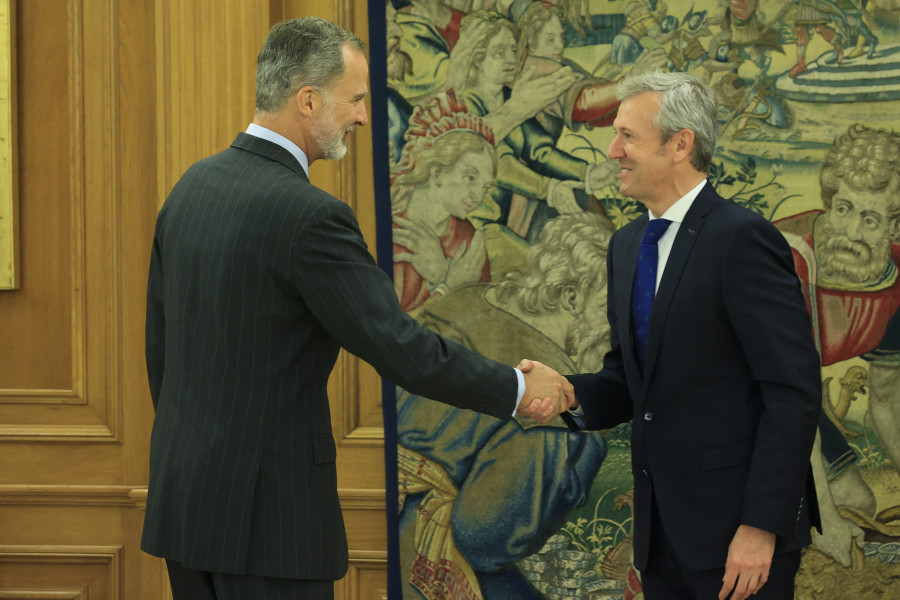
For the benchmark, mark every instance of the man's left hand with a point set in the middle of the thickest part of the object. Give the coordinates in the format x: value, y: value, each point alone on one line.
x: 749, y: 559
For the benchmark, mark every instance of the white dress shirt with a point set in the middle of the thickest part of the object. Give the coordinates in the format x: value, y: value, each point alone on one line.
x: 675, y: 213
x: 276, y: 138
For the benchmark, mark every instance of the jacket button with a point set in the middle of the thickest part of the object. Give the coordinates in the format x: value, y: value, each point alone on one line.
x: 647, y: 475
x: 648, y: 416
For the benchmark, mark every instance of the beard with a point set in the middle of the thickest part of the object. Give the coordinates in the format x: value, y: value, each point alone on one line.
x: 841, y: 259
x: 329, y: 135
x: 399, y: 63
x: 587, y: 344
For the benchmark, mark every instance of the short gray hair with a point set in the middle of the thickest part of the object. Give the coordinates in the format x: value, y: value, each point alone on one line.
x: 297, y: 53
x: 687, y: 103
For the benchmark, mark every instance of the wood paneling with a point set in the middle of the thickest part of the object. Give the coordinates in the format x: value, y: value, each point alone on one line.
x: 205, y: 72
x: 58, y: 573
x: 114, y: 100
x: 9, y: 205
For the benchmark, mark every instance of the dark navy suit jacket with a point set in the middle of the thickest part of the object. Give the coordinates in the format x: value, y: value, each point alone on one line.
x: 724, y: 414
x: 257, y: 278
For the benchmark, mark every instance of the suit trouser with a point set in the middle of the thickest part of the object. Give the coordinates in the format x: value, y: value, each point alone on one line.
x: 667, y: 578
x: 190, y: 584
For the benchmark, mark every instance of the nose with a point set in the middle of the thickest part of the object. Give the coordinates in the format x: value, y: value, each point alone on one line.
x: 362, y: 117
x: 854, y: 226
x: 615, y: 149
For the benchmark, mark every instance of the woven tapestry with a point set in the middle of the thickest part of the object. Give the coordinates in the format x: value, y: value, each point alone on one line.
x: 502, y: 203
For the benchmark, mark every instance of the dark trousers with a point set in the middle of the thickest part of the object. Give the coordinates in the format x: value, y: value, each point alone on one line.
x: 188, y: 584
x: 667, y: 578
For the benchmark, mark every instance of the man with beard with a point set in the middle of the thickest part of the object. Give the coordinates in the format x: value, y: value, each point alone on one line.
x: 257, y: 279
x: 478, y: 494
x: 847, y: 257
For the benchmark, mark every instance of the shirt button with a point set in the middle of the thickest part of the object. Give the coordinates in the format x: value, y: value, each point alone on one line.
x: 648, y: 416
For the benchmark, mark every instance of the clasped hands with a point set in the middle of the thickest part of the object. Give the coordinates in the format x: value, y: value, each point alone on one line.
x: 547, y: 393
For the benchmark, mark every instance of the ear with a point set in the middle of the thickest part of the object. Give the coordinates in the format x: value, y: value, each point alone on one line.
x: 436, y: 174
x: 307, y: 100
x: 570, y: 299
x: 895, y: 230
x: 683, y: 144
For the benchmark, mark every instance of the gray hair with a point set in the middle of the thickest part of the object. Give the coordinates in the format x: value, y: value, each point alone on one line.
x: 297, y: 53
x: 687, y: 103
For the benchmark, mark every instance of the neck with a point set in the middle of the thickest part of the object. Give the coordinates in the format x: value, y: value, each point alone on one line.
x: 288, y: 126
x: 491, y: 93
x: 680, y: 187
x: 423, y: 210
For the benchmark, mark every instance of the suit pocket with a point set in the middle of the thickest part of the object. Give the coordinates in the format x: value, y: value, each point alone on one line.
x: 726, y: 455
x: 324, y: 450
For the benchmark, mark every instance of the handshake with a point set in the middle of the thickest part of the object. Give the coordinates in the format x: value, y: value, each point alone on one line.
x: 547, y: 393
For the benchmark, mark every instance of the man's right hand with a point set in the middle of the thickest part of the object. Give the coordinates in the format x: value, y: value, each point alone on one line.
x: 547, y: 393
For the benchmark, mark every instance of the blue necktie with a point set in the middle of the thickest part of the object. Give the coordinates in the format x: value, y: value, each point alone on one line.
x: 645, y: 285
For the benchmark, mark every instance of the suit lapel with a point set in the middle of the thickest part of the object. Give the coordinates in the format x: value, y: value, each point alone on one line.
x: 267, y: 149
x: 688, y: 232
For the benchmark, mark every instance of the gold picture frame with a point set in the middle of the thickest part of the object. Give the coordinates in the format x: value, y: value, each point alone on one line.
x: 9, y: 255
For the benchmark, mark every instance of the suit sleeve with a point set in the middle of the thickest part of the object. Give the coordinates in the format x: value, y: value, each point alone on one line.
x: 154, y: 342
x: 603, y: 396
x: 766, y: 308
x: 356, y: 303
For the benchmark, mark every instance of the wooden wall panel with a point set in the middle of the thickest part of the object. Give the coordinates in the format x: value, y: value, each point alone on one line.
x: 71, y: 260
x: 57, y: 573
x: 205, y: 72
x: 115, y: 99
x: 42, y: 328
x: 74, y: 404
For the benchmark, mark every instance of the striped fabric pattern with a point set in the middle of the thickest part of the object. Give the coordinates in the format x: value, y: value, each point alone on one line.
x: 257, y: 278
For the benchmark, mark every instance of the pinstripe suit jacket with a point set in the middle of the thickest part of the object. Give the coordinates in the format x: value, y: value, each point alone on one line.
x: 257, y: 278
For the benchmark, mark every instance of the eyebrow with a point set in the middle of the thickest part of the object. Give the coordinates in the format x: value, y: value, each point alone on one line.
x: 359, y: 96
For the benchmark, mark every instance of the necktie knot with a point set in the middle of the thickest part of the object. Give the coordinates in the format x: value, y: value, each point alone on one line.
x: 655, y: 230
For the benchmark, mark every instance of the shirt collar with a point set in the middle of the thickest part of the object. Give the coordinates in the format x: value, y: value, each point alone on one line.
x: 677, y: 211
x: 276, y: 138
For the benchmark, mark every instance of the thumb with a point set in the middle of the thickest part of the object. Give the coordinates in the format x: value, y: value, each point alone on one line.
x: 525, y: 365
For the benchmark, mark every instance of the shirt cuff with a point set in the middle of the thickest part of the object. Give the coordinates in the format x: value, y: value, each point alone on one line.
x: 521, y: 391
x: 577, y: 415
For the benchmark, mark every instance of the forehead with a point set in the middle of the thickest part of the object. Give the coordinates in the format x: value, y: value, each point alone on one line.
x: 477, y: 160
x: 868, y: 200
x: 504, y: 36
x: 637, y: 112
x: 552, y: 26
x: 354, y: 79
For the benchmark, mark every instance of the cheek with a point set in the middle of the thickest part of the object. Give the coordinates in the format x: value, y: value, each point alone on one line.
x: 876, y: 239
